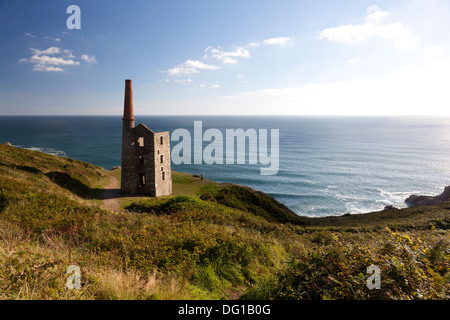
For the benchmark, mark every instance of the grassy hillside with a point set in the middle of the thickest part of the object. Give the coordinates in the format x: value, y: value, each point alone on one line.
x: 207, y: 241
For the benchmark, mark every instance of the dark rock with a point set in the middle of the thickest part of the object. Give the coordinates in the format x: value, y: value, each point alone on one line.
x: 418, y: 200
x: 390, y: 207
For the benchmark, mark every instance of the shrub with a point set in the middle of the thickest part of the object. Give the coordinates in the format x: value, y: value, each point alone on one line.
x: 3, y: 200
x: 180, y: 203
x: 410, y: 269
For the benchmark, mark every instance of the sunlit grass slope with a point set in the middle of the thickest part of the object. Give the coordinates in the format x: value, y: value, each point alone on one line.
x: 207, y: 241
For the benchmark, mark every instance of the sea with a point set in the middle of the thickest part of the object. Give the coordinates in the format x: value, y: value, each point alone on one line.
x: 327, y: 165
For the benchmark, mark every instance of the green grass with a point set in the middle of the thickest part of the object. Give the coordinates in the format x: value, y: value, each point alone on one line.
x: 184, y: 183
x: 203, y: 242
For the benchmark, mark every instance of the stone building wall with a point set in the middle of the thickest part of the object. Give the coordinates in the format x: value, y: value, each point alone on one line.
x: 128, y: 183
x: 163, y: 175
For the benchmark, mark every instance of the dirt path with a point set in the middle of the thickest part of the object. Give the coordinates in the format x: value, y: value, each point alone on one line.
x: 111, y: 195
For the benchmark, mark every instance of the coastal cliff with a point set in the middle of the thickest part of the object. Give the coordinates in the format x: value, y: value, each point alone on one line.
x: 206, y: 241
x: 417, y: 200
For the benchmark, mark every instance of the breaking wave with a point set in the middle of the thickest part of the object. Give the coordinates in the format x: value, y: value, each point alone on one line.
x: 46, y: 150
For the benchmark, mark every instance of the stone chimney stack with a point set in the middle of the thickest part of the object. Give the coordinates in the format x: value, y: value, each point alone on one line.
x: 129, y: 155
x: 128, y: 104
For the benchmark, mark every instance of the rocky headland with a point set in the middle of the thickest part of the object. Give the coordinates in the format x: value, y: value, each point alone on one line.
x: 420, y: 200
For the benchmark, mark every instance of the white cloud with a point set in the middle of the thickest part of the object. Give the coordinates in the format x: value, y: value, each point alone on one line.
x: 51, y: 59
x: 363, y: 32
x: 232, y: 57
x: 57, y: 61
x: 227, y: 56
x: 421, y: 90
x: 88, y: 58
x: 407, y: 44
x: 372, y: 28
x: 354, y: 61
x: 433, y: 52
x: 68, y: 53
x: 183, y: 81
x: 199, y: 65
x: 51, y: 51
x: 215, y: 86
x: 376, y: 16
x: 372, y: 8
x: 40, y: 67
x: 53, y: 39
x: 29, y: 34
x: 190, y: 67
x: 282, y: 41
x: 253, y: 45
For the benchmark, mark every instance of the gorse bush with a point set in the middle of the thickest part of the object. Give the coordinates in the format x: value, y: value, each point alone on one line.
x: 180, y: 203
x: 337, y: 269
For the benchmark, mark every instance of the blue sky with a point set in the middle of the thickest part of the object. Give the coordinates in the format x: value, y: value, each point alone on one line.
x: 249, y: 57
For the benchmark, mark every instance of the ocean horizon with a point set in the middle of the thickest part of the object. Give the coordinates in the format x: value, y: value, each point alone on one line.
x: 327, y: 165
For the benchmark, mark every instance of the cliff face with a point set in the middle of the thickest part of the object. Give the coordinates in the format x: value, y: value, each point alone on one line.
x: 418, y: 200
